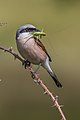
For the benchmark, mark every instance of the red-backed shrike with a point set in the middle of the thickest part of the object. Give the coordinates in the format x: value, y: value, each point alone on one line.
x: 32, y: 49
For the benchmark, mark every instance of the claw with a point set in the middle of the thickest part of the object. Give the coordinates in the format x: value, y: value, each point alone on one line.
x: 33, y: 75
x: 26, y: 63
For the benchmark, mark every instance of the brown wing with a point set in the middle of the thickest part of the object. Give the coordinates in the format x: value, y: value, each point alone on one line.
x: 42, y: 46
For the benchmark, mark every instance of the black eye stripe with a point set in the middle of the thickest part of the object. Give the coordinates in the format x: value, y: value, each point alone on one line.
x: 29, y: 30
x: 22, y: 31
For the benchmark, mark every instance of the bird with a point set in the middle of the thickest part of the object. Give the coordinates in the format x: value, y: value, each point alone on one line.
x: 33, y: 50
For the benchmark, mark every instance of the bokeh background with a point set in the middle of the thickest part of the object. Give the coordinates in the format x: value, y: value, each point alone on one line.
x: 20, y: 97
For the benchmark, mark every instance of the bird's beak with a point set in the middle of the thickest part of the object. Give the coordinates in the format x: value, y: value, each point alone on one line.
x: 37, y: 30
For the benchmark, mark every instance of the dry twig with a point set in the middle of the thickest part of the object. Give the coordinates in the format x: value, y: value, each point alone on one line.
x: 39, y: 81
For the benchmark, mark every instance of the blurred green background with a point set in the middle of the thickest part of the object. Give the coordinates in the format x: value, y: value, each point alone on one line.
x: 20, y: 98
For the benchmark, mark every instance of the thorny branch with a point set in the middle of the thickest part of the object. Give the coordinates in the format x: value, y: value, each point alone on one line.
x: 38, y: 81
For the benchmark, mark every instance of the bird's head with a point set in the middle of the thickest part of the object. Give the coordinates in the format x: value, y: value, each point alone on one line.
x: 28, y: 30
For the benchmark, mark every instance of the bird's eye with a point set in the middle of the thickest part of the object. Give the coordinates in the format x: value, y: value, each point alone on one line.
x: 24, y: 30
x: 29, y: 29
x: 32, y: 29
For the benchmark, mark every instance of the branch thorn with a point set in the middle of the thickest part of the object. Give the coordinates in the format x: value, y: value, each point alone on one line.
x: 56, y: 98
x: 45, y: 92
x: 10, y: 49
x: 61, y: 106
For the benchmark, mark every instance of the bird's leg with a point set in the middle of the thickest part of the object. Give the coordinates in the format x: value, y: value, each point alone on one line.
x: 26, y: 63
x: 36, y: 81
x: 37, y: 68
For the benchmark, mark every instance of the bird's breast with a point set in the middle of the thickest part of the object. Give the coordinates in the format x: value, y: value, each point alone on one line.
x: 31, y: 51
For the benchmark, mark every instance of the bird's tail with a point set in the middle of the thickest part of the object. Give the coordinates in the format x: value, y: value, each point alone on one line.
x: 54, y: 77
x: 52, y: 74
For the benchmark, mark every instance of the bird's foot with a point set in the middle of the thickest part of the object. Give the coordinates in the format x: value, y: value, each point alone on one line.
x: 35, y: 76
x: 26, y: 63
